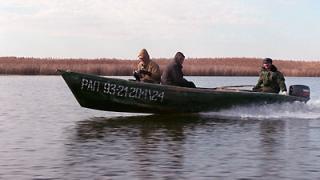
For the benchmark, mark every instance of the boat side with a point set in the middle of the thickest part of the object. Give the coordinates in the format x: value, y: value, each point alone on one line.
x: 120, y: 95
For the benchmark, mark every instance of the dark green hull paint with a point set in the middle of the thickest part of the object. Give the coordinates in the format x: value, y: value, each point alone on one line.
x: 119, y: 95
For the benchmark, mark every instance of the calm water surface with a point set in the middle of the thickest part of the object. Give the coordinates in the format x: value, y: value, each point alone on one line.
x: 45, y: 134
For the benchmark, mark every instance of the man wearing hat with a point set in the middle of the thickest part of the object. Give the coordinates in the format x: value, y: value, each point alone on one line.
x: 147, y: 70
x: 270, y: 79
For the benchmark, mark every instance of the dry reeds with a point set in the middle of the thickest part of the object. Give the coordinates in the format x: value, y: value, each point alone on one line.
x: 36, y: 66
x: 119, y: 67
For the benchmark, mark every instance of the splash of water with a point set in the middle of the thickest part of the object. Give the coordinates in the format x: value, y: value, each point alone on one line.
x: 295, y: 110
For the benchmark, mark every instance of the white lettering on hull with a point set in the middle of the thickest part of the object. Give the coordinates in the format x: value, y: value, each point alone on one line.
x: 121, y: 90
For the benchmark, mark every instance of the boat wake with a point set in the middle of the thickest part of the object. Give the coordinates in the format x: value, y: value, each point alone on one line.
x: 296, y: 110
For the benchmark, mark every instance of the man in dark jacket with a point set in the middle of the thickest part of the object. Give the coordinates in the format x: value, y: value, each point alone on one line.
x: 173, y: 75
x: 270, y: 79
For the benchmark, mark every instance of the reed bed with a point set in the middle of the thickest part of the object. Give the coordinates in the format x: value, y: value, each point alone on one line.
x: 125, y: 67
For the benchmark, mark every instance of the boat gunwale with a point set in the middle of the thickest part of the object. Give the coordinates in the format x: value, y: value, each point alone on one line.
x: 217, y: 90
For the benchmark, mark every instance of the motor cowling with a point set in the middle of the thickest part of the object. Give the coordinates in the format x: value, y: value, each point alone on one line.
x: 300, y: 91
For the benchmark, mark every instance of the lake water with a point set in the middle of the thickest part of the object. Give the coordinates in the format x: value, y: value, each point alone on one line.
x: 45, y: 134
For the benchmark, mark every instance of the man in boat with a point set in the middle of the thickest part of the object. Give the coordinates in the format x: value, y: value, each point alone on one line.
x: 270, y: 79
x: 173, y: 75
x: 147, y: 70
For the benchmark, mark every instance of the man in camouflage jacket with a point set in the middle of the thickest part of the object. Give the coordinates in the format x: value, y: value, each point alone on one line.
x: 270, y: 79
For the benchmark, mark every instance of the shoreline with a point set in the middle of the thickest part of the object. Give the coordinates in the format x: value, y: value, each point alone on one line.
x: 121, y: 67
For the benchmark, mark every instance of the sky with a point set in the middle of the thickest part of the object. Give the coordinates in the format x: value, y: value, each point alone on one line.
x: 279, y: 29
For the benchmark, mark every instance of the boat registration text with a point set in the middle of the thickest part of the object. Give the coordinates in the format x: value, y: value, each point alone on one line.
x: 121, y: 90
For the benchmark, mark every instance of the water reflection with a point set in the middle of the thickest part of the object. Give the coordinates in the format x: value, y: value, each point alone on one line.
x: 152, y: 140
x: 148, y: 146
x: 174, y: 126
x: 99, y: 127
x: 272, y: 133
x: 167, y: 147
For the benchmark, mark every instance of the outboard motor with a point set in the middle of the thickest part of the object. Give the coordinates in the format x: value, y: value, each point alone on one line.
x: 300, y: 91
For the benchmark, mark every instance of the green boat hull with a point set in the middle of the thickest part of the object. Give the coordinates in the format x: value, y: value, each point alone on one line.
x: 111, y: 94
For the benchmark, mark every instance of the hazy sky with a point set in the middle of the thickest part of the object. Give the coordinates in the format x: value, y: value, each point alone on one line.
x: 280, y: 29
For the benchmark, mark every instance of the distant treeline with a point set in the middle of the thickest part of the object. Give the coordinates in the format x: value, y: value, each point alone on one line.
x: 122, y: 67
